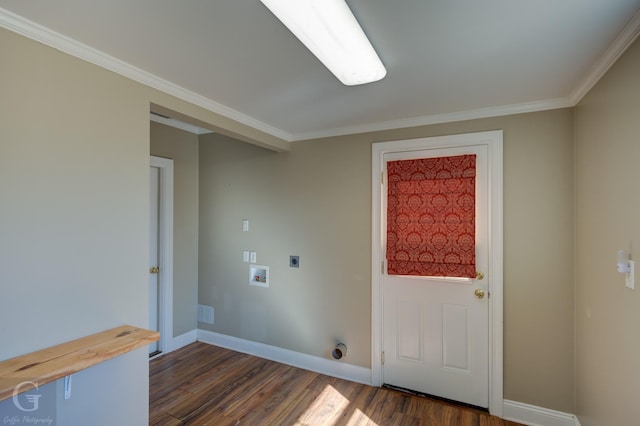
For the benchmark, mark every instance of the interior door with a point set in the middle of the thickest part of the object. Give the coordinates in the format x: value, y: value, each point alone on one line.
x: 154, y: 285
x: 436, y: 329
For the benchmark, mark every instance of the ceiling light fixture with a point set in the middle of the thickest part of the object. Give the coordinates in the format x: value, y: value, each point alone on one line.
x: 330, y: 31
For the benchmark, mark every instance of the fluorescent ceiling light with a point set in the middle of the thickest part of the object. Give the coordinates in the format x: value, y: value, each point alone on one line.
x: 331, y: 32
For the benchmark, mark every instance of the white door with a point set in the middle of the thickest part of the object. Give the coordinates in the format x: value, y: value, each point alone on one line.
x: 154, y: 285
x: 436, y: 329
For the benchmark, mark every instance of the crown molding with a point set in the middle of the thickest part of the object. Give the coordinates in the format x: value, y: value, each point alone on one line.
x: 37, y: 32
x: 627, y: 36
x: 439, y: 118
x: 44, y: 35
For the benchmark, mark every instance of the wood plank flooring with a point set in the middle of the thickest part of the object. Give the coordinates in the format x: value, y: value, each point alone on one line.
x: 202, y: 385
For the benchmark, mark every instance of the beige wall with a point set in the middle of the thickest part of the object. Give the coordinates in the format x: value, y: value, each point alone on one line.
x: 315, y: 202
x: 182, y: 148
x: 74, y: 147
x: 74, y: 158
x: 74, y: 154
x: 608, y: 207
x: 538, y: 252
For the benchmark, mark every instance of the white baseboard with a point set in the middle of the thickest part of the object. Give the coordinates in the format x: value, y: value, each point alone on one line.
x: 184, y: 339
x: 328, y: 367
x: 536, y: 416
x: 514, y: 411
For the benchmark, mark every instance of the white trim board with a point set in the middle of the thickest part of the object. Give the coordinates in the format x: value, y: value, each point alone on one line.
x: 628, y: 35
x: 473, y: 114
x: 185, y: 339
x: 493, y: 140
x: 172, y: 122
x: 44, y: 35
x: 37, y: 32
x: 165, y: 252
x: 536, y: 416
x: 324, y: 366
x: 513, y: 411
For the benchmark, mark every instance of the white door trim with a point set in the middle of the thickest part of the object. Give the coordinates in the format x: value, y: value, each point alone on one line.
x: 493, y: 140
x: 165, y: 251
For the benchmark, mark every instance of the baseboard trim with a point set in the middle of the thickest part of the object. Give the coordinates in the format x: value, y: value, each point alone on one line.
x: 536, y: 416
x: 328, y: 367
x: 512, y: 410
x: 184, y: 339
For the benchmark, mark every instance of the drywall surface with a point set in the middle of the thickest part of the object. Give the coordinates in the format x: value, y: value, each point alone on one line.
x: 315, y: 202
x: 74, y: 157
x: 608, y: 208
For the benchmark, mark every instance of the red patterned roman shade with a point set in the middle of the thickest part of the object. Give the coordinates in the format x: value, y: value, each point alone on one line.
x: 431, y: 217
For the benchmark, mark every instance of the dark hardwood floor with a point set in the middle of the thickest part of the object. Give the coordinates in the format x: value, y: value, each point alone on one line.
x: 202, y: 384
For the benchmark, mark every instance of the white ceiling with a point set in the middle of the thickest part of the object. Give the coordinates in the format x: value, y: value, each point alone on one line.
x: 446, y: 59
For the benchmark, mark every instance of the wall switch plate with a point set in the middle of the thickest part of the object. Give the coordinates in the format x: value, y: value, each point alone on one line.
x: 245, y: 225
x: 253, y: 257
x: 294, y: 261
x: 630, y: 280
x: 245, y: 256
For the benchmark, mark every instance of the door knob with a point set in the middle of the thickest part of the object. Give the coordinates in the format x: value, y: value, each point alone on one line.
x: 479, y: 275
x: 479, y: 293
x: 154, y: 270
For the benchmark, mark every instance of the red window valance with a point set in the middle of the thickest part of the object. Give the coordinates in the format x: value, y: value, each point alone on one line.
x: 431, y: 217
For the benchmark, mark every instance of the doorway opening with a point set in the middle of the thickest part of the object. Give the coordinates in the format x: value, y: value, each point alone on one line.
x: 161, y: 254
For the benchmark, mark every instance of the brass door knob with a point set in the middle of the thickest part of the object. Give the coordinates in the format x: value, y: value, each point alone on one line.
x: 154, y: 270
x: 479, y: 275
x: 479, y: 293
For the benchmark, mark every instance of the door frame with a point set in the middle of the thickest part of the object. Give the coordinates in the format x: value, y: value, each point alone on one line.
x: 493, y: 140
x: 165, y: 251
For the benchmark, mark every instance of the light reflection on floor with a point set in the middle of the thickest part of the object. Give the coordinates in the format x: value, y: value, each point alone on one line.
x: 328, y: 409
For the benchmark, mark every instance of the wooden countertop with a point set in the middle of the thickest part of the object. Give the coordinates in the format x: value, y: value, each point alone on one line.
x: 53, y: 363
